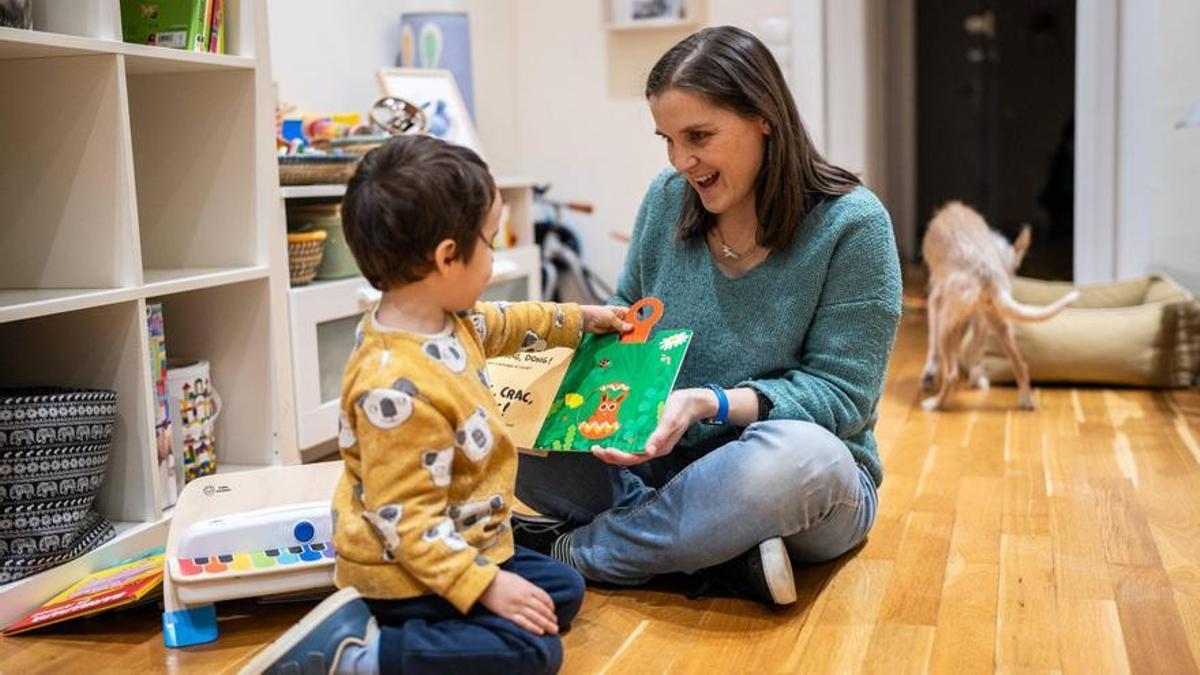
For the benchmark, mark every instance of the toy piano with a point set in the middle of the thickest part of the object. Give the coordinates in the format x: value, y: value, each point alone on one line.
x: 244, y: 535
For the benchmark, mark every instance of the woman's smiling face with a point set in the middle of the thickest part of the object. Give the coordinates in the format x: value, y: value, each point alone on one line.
x: 719, y: 151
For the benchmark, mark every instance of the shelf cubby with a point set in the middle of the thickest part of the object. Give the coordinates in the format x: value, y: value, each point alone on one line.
x: 105, y: 348
x: 194, y: 166
x: 229, y: 327
x: 68, y: 220
x: 100, y: 19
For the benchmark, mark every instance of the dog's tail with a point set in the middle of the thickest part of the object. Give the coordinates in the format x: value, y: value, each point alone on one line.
x: 1010, y: 309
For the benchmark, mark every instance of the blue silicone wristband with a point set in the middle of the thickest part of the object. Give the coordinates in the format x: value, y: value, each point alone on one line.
x: 722, y: 405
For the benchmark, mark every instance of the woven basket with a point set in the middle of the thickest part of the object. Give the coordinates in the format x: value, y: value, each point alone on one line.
x: 354, y: 145
x: 316, y: 169
x: 54, y: 445
x: 305, y: 250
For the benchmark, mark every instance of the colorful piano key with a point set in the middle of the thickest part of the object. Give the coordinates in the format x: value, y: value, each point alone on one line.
x: 228, y: 563
x: 189, y: 568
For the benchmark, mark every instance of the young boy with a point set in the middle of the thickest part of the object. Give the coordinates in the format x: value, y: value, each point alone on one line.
x: 431, y: 579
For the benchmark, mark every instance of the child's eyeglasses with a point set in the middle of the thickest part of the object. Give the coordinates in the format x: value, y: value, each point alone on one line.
x: 487, y: 242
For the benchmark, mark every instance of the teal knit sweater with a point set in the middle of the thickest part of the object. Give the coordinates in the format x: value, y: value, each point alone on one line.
x: 811, y: 327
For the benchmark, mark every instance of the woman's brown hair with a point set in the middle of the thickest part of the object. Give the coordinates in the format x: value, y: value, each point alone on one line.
x: 731, y: 68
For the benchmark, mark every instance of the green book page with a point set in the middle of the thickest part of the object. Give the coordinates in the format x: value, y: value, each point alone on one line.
x: 613, y: 393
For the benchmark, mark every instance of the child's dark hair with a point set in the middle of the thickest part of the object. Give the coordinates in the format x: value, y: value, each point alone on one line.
x: 405, y: 198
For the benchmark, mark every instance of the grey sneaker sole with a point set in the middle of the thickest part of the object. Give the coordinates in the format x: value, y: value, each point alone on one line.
x: 284, y: 643
x: 777, y: 568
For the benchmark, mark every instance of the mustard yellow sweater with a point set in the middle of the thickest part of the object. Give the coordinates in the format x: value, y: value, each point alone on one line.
x: 423, y: 504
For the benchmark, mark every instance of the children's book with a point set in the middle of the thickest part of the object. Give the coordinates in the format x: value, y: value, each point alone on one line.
x: 609, y: 392
x: 216, y: 28
x: 167, y: 483
x: 125, y: 583
x: 179, y: 24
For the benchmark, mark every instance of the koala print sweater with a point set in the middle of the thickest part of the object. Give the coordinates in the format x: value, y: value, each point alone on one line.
x: 423, y: 504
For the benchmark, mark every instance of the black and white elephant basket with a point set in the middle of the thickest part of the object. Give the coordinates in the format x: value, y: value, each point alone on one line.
x: 54, y: 445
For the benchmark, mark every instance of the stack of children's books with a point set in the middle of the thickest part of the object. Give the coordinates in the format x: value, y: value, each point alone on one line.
x: 194, y: 25
x: 129, y: 582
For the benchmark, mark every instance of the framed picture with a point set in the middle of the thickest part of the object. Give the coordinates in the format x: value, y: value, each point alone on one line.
x: 435, y: 92
x: 647, y: 13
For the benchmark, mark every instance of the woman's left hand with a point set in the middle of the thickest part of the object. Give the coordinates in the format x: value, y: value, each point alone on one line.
x: 605, y: 319
x: 684, y: 408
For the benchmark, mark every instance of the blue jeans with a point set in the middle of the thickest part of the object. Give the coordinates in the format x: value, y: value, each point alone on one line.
x: 694, y: 508
x: 428, y: 635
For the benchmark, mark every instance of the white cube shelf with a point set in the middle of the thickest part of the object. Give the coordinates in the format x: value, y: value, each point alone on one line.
x: 104, y: 348
x: 133, y: 174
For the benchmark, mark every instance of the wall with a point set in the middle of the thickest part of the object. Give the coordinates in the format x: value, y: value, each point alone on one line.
x: 1175, y: 227
x: 325, y: 59
x: 582, y: 120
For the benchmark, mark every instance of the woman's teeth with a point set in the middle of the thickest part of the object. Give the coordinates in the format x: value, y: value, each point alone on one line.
x: 707, y: 180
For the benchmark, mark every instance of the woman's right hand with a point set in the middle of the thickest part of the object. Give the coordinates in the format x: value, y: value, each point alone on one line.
x: 521, y: 602
x: 684, y: 408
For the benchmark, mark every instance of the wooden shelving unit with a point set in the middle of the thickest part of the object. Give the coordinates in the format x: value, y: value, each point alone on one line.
x: 134, y: 174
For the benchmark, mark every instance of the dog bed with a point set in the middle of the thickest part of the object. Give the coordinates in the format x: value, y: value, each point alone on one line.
x: 1143, y: 332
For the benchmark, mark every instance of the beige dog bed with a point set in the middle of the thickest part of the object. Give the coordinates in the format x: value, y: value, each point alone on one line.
x: 1143, y: 332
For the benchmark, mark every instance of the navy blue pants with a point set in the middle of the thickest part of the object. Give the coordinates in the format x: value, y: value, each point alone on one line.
x: 428, y: 635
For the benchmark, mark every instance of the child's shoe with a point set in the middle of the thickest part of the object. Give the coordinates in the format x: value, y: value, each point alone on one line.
x: 335, y: 637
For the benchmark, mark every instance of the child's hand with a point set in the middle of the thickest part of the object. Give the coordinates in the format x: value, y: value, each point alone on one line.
x: 605, y: 319
x: 521, y: 602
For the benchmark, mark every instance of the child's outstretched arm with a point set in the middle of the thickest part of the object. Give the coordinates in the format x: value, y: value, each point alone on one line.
x: 507, y: 328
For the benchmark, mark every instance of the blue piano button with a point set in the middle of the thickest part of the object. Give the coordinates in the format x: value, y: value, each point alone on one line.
x: 304, y: 531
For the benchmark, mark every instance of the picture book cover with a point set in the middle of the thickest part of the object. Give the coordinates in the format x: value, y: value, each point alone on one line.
x: 609, y: 392
x: 125, y: 583
x: 179, y: 24
x: 167, y: 483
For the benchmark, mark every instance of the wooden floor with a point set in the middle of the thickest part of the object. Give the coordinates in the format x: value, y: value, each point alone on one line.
x: 1062, y: 540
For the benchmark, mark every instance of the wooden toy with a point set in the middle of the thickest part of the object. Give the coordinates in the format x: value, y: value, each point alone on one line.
x: 245, y: 534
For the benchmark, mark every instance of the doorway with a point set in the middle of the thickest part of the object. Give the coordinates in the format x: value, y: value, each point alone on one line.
x: 994, y: 119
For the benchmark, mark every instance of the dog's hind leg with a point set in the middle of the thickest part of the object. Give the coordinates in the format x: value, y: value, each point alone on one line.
x: 929, y: 374
x: 1008, y: 342
x: 974, y: 353
x: 950, y: 337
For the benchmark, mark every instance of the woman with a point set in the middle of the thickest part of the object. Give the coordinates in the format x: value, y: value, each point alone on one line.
x: 786, y: 269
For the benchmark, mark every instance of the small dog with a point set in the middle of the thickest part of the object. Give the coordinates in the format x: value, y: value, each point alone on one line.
x: 970, y: 286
